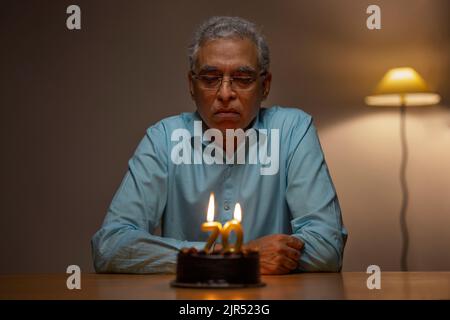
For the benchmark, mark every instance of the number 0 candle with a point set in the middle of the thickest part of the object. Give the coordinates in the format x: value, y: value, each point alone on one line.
x: 235, y: 225
x: 212, y: 226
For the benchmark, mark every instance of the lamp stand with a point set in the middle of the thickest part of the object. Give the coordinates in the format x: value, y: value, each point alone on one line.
x: 404, y: 187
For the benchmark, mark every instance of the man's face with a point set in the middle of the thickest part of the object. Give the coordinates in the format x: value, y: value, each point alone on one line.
x: 229, y: 106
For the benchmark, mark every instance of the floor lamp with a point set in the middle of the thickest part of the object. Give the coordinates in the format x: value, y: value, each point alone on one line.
x: 402, y: 87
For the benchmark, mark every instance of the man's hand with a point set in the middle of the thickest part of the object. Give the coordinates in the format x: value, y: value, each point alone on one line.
x: 279, y: 253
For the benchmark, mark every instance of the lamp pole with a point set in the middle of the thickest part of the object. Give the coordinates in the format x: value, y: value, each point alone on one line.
x: 404, y: 187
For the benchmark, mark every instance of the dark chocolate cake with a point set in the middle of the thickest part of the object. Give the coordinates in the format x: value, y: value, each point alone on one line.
x: 219, y: 270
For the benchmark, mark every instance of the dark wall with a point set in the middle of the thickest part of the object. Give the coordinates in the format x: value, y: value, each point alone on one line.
x: 74, y: 104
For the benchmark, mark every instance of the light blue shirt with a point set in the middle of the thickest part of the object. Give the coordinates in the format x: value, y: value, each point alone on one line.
x: 299, y: 200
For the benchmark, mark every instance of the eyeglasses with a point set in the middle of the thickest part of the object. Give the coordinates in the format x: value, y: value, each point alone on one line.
x: 237, y: 83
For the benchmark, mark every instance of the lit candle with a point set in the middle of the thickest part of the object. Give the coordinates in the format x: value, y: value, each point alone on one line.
x: 235, y: 225
x: 210, y: 225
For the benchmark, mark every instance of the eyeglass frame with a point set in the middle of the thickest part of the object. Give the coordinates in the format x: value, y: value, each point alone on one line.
x: 230, y: 80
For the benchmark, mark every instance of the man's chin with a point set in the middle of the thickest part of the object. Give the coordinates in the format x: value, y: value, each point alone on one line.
x: 224, y: 125
x: 227, y: 120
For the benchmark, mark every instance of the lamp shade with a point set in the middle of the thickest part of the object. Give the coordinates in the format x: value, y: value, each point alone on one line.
x: 402, y: 86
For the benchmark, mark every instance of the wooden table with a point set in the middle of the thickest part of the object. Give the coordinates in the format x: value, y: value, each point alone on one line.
x: 346, y: 285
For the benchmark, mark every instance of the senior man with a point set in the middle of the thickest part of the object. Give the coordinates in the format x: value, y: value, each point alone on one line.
x: 291, y: 212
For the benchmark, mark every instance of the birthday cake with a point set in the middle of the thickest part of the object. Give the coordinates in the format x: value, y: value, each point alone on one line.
x: 218, y: 269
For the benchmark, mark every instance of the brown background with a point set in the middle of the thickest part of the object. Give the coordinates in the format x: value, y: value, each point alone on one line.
x: 74, y: 105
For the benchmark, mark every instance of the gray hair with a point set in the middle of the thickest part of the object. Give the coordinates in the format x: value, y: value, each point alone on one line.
x: 225, y: 28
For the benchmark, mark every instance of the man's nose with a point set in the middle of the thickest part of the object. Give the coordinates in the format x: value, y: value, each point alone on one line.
x: 225, y: 91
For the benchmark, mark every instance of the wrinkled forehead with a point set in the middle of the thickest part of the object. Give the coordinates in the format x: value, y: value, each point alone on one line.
x: 228, y: 54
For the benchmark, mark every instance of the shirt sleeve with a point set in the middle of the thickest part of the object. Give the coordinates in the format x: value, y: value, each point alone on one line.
x: 313, y: 202
x: 125, y: 243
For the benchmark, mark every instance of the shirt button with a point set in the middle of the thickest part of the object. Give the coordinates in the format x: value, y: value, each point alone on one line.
x: 226, y: 206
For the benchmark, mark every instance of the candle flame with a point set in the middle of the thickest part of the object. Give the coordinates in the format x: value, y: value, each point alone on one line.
x: 210, y: 215
x: 237, y: 212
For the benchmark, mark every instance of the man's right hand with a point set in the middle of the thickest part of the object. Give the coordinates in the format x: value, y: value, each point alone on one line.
x: 279, y: 253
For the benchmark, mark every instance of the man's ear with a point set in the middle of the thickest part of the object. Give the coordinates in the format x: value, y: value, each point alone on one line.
x: 266, y: 85
x: 191, y: 84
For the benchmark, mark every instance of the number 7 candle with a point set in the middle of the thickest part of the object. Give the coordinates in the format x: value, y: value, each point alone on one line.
x: 210, y: 225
